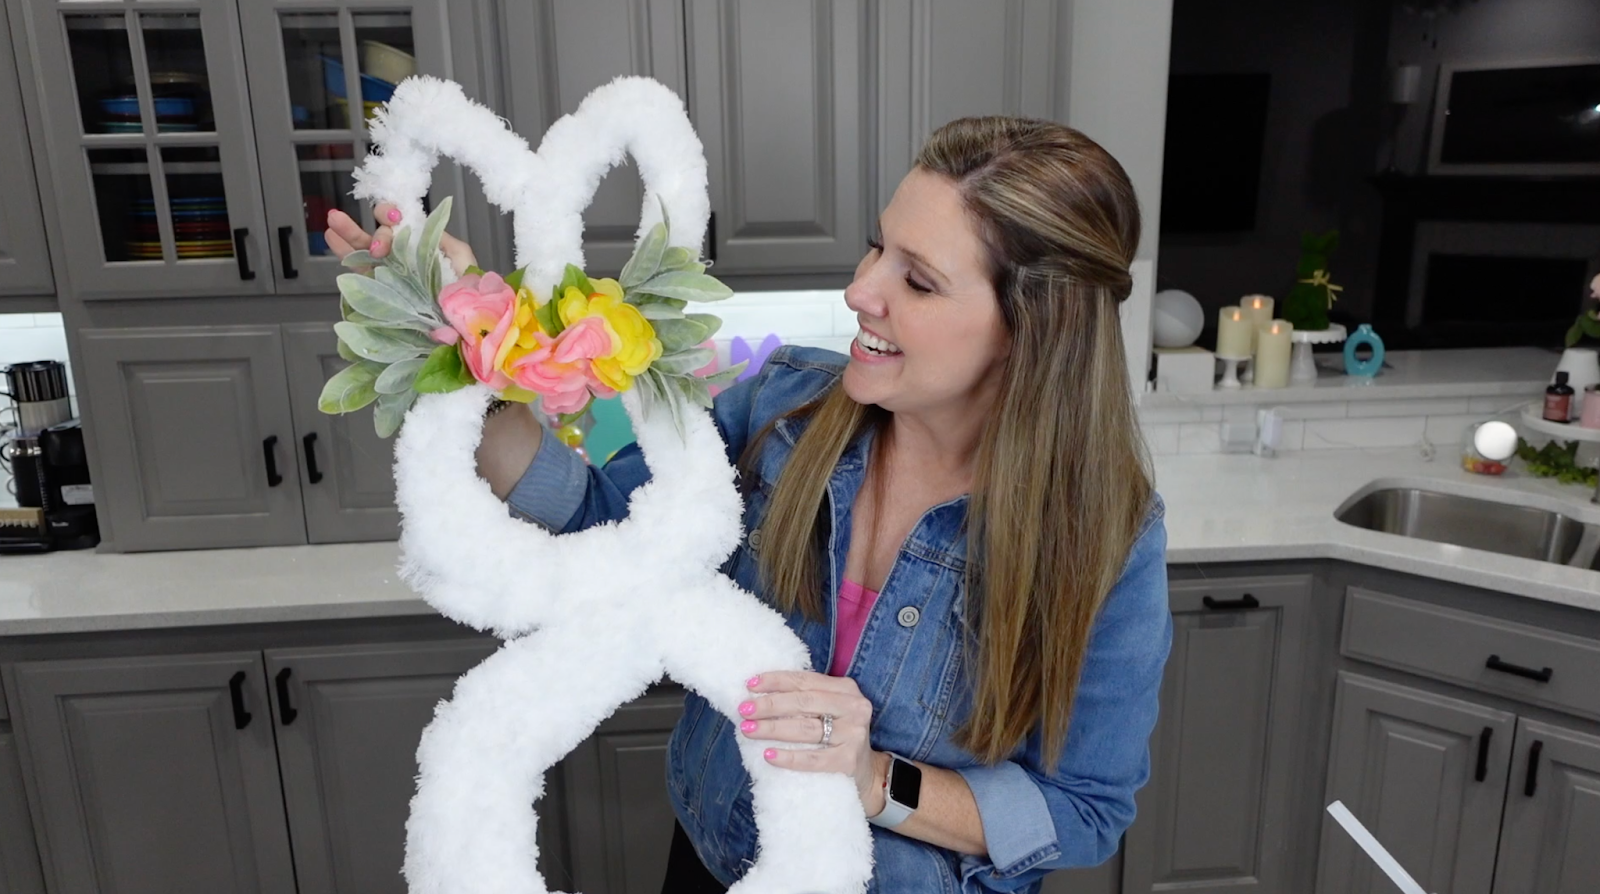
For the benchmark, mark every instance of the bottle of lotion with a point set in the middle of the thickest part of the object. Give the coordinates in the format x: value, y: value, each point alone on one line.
x: 1558, y: 400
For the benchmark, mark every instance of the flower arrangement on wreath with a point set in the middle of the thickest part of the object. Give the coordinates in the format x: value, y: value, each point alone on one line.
x: 406, y: 333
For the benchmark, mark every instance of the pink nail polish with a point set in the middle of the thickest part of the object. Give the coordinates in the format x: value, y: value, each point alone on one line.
x: 394, y: 215
x: 753, y: 682
x: 749, y: 726
x: 747, y: 708
x: 770, y: 754
x: 376, y: 246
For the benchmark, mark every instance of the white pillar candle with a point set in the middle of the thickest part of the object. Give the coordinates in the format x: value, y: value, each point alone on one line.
x: 1258, y: 308
x: 1272, y: 354
x: 1235, y: 333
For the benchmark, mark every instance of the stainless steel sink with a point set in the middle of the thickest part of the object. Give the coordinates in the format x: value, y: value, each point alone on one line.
x: 1464, y: 521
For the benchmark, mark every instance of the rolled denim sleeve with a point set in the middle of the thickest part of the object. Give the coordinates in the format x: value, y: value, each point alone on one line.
x: 551, y: 489
x: 1036, y: 818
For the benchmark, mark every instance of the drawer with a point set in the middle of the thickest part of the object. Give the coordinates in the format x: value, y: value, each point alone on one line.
x: 1473, y: 650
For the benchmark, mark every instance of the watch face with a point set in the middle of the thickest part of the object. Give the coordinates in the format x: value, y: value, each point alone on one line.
x: 905, y: 783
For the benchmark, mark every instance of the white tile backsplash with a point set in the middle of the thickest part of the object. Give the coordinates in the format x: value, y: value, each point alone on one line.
x: 1356, y: 434
x: 1161, y: 438
x: 1446, y: 431
x: 1376, y: 408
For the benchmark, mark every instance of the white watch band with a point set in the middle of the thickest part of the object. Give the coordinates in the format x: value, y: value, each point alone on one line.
x: 893, y: 813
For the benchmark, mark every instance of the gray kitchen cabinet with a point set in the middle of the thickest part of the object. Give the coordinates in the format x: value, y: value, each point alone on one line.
x: 938, y: 60
x: 1218, y: 811
x: 24, y: 256
x: 195, y: 436
x: 152, y: 162
x: 346, y: 470
x: 1552, y: 813
x: 19, y: 857
x: 779, y: 91
x: 619, y: 819
x: 1103, y: 879
x: 1427, y: 775
x: 578, y: 45
x: 154, y: 774
x: 348, y: 721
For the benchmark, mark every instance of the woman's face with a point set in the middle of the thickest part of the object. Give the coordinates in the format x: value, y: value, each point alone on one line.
x: 932, y: 337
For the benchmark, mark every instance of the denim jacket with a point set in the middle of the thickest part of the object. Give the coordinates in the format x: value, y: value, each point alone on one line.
x: 910, y: 663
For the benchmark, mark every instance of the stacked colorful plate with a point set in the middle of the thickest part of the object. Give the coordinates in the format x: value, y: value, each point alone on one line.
x: 174, y: 114
x: 199, y: 223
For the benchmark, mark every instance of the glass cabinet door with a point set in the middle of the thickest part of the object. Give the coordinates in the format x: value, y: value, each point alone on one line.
x: 153, y: 159
x: 317, y: 72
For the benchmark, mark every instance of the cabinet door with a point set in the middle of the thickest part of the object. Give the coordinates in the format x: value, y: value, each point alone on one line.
x: 306, y: 58
x: 1424, y: 773
x: 346, y: 470
x: 619, y: 819
x: 939, y: 60
x: 580, y: 45
x: 349, y: 719
x: 1216, y: 815
x: 1552, y: 818
x: 1103, y: 879
x: 777, y: 91
x: 155, y: 774
x: 19, y: 858
x: 153, y: 167
x: 24, y: 258
x: 195, y: 437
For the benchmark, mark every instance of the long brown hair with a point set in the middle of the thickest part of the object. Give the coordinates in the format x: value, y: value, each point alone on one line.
x: 1062, y: 481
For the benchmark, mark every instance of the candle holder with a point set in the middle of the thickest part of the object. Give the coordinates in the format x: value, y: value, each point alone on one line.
x: 1302, y: 369
x: 1230, y: 371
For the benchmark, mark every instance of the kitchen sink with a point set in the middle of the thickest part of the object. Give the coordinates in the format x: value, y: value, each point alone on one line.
x: 1464, y: 521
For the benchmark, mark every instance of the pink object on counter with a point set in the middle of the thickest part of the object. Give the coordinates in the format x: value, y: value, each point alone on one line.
x: 1591, y: 407
x: 850, y: 616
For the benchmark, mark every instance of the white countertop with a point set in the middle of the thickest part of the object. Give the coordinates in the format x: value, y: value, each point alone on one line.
x: 1220, y: 508
x: 1410, y: 375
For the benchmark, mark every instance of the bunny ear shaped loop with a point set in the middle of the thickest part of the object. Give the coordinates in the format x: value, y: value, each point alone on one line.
x: 591, y: 618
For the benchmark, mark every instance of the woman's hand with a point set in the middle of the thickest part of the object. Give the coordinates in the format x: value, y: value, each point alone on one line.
x: 344, y: 236
x: 788, y: 706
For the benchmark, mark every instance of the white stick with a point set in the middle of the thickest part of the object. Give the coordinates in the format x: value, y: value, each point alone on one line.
x: 1389, y: 865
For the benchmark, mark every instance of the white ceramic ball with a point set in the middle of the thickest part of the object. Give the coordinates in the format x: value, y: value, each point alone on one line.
x: 1176, y: 319
x: 1496, y: 441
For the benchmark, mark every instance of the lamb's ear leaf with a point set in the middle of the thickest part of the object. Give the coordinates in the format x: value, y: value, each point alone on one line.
x: 646, y: 259
x: 350, y: 388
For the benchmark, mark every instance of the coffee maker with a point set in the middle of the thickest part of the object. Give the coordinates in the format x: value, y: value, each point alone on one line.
x: 49, y: 466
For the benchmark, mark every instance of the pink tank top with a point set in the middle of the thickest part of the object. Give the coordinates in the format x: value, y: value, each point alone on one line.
x: 850, y: 616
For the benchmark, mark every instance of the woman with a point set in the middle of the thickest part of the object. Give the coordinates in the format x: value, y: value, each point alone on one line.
x: 957, y: 519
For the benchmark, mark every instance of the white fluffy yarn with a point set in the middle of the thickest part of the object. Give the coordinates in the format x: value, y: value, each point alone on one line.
x: 590, y: 619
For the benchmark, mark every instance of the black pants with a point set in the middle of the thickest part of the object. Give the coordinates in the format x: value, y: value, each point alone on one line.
x: 685, y: 873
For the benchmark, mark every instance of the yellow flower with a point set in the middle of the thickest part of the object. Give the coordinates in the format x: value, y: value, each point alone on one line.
x: 525, y: 329
x: 633, y: 339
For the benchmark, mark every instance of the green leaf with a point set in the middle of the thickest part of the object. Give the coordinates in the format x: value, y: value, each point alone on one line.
x: 345, y: 352
x: 712, y: 322
x: 724, y: 378
x: 679, y: 335
x: 683, y: 363
x: 441, y: 372
x: 382, y: 345
x: 1591, y: 326
x: 399, y: 376
x: 662, y: 308
x: 428, y: 259
x: 359, y: 259
x: 391, y: 412
x: 677, y: 258
x: 694, y: 390
x: 573, y: 278
x: 1575, y: 334
x: 514, y: 279
x: 549, y: 319
x: 473, y: 270
x: 565, y: 419
x: 686, y: 286
x: 400, y: 253
x: 374, y: 299
x: 350, y: 389
x: 646, y: 259
x: 421, y: 301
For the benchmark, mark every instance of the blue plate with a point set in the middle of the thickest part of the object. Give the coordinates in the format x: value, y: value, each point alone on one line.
x: 372, y: 89
x: 165, y: 105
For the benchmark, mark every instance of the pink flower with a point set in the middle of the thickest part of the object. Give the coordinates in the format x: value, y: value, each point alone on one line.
x: 558, y: 369
x: 482, y: 312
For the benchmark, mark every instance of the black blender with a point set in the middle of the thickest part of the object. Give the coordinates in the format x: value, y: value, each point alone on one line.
x: 49, y: 466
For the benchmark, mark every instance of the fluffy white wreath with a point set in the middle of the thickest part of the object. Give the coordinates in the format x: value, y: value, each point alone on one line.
x: 590, y: 619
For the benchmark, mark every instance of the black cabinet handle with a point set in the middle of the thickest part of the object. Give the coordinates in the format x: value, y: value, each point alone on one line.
x: 286, y: 249
x: 286, y: 711
x: 1542, y: 675
x: 711, y: 238
x: 241, y: 717
x: 271, y: 456
x: 1483, y: 753
x: 1245, y: 601
x: 1532, y: 785
x: 241, y: 254
x: 313, y: 474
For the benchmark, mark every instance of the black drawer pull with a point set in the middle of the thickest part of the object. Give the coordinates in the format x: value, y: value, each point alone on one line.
x: 1495, y: 664
x: 1483, y: 754
x: 286, y: 249
x: 286, y: 711
x: 241, y: 717
x: 711, y: 238
x: 1532, y: 785
x: 241, y: 255
x: 313, y: 474
x: 271, y: 456
x: 1245, y: 601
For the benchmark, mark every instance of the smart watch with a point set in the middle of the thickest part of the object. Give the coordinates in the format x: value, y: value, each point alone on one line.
x: 902, y: 789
